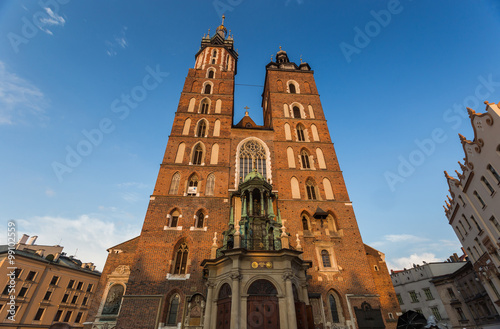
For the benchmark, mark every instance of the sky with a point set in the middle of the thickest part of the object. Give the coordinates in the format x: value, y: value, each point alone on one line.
x: 395, y: 78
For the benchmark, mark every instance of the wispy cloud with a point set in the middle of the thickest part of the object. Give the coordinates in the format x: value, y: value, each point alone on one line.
x: 404, y: 238
x: 50, y: 192
x: 19, y: 99
x: 90, y: 234
x: 119, y: 42
x: 53, y: 19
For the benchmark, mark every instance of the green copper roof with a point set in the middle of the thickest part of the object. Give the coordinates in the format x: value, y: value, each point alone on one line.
x: 254, y: 174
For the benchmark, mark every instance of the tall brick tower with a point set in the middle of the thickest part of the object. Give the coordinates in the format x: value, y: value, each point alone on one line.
x: 248, y: 226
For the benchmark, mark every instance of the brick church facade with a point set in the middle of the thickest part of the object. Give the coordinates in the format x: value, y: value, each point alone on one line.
x: 248, y: 226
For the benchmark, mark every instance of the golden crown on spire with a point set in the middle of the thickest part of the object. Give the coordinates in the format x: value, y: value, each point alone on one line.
x: 222, y: 27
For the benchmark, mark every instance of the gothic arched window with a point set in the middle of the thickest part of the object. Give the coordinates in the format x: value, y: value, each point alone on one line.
x: 311, y: 189
x: 296, y: 111
x: 208, y: 89
x: 300, y: 133
x: 174, y: 218
x: 211, y: 74
x: 325, y: 257
x: 252, y: 153
x: 305, y: 224
x: 333, y: 308
x: 192, y: 185
x: 174, y: 185
x: 204, y: 105
x: 197, y: 155
x: 201, y: 129
x: 200, y: 218
x: 181, y: 257
x: 210, y: 185
x: 173, y: 310
x: 113, y: 300
x: 292, y: 88
x: 304, y: 158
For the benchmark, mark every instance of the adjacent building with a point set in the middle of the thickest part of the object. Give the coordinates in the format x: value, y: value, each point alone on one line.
x: 416, y: 291
x: 41, y: 285
x: 465, y: 299
x: 473, y: 210
x: 249, y: 226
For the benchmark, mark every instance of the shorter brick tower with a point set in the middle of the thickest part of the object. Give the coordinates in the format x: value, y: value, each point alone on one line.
x: 248, y: 226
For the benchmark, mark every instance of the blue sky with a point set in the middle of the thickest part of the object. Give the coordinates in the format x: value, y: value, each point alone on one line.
x: 392, y: 75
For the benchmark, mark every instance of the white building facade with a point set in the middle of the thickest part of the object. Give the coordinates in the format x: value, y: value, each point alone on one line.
x: 473, y: 210
x: 416, y: 292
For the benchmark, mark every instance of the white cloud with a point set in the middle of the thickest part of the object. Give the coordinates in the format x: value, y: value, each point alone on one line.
x: 19, y: 99
x: 404, y: 238
x: 89, y: 234
x: 407, y: 262
x: 52, y: 20
x: 50, y: 192
x: 117, y: 43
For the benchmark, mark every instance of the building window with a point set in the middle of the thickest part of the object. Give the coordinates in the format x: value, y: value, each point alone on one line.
x: 54, y: 280
x: 435, y: 312
x: 292, y: 88
x: 71, y: 283
x: 468, y: 224
x: 113, y: 300
x: 475, y: 223
x: 201, y: 131
x: 5, y: 290
x: 300, y: 133
x: 428, y: 294
x: 478, y: 197
x: 458, y: 230
x: 78, y: 317
x: 31, y: 276
x: 84, y: 301
x: 463, y: 227
x: 23, y: 292
x: 305, y: 224
x: 79, y: 285
x: 74, y: 299
x: 200, y: 217
x: 57, y: 317
x: 494, y: 173
x: 461, y: 200
x: 210, y: 185
x: 413, y: 297
x: 390, y: 316
x: 65, y: 298
x: 172, y: 311
x: 325, y: 257
x: 333, y: 308
x: 174, y: 218
x: 451, y: 293
x: 47, y: 295
x: 174, y: 185
x: 67, y: 316
x: 487, y: 184
x: 311, y: 190
x: 375, y: 267
x: 211, y: 74
x: 204, y: 106
x: 208, y: 89
x: 494, y: 289
x: 304, y: 157
x: 252, y: 154
x: 192, y: 185
x: 400, y: 300
x: 495, y: 223
x: 181, y: 259
x: 38, y: 314
x: 296, y: 112
x: 197, y: 155
x: 460, y: 313
x: 89, y: 287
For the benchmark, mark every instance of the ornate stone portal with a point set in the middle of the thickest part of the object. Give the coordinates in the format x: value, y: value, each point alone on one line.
x: 253, y: 282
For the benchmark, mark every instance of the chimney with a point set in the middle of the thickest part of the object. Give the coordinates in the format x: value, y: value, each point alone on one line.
x: 32, y: 240
x: 23, y: 239
x: 40, y: 252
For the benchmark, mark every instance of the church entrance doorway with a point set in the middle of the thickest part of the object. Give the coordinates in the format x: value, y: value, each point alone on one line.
x: 262, y: 306
x: 224, y: 307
